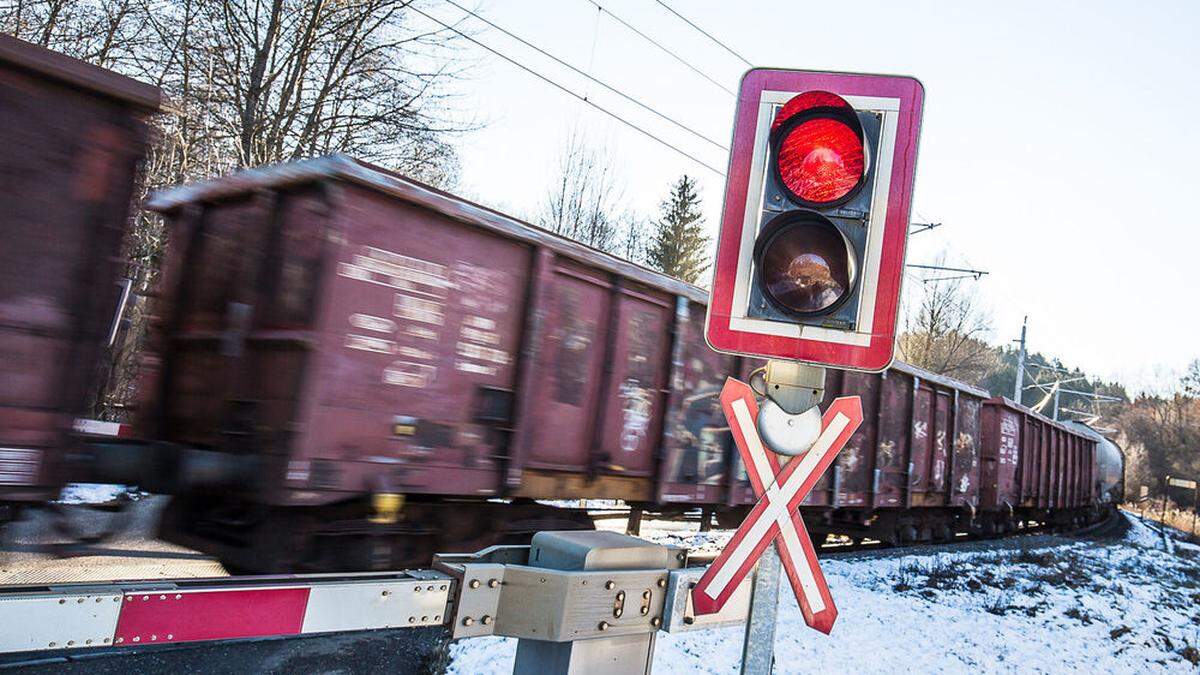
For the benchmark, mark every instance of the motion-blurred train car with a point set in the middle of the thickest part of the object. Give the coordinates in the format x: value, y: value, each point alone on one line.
x: 359, y: 370
x: 72, y: 135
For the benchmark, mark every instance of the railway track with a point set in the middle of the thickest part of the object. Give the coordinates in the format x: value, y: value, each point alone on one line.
x: 29, y: 552
x: 1112, y: 524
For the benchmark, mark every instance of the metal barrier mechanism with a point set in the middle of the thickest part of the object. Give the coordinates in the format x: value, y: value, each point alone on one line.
x: 578, y: 602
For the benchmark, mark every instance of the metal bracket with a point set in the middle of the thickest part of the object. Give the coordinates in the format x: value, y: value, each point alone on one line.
x: 480, y: 578
x: 497, y: 596
x: 679, y: 615
x: 794, y: 386
x: 789, y: 420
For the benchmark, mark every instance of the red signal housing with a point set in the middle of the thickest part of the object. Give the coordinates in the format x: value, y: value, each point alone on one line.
x: 810, y: 254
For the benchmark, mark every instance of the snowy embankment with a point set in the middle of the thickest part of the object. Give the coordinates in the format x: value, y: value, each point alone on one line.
x: 1130, y: 603
x: 90, y: 493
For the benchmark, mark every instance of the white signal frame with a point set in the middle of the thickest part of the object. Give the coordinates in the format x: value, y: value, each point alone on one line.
x: 769, y: 103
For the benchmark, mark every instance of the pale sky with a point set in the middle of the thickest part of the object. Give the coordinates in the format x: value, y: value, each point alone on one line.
x: 1058, y: 147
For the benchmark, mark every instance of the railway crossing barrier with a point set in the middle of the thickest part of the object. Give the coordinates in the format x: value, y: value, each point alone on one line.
x: 578, y: 602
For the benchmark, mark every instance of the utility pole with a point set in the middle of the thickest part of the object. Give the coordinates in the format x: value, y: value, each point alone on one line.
x: 1021, y: 362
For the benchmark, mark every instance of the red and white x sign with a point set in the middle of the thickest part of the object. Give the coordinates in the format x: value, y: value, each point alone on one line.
x: 775, y: 518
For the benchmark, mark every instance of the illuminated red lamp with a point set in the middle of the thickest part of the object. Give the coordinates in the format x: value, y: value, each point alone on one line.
x: 819, y: 149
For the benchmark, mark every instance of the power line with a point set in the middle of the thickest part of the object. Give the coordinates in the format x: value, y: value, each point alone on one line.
x: 556, y: 85
x: 968, y: 272
x: 607, y: 86
x: 705, y: 33
x: 658, y: 44
x: 918, y: 228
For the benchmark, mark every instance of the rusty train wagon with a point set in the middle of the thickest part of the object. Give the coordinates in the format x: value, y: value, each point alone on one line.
x: 374, y: 370
x: 72, y: 135
x: 1035, y: 469
x: 911, y: 472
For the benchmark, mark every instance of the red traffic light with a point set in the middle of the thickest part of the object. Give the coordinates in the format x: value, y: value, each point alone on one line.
x: 811, y: 250
x: 819, y: 149
x: 804, y: 264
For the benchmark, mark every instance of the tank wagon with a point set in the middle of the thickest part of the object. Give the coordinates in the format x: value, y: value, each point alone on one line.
x: 1110, y: 465
x: 72, y: 135
x: 358, y: 370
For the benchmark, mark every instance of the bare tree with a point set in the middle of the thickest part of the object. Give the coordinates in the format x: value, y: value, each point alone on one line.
x: 584, y: 202
x: 633, y: 242
x: 1162, y: 434
x: 103, y: 32
x: 945, y: 332
x: 1190, y: 382
x: 261, y: 81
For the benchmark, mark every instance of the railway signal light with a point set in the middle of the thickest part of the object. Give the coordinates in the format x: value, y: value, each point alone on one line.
x: 811, y: 249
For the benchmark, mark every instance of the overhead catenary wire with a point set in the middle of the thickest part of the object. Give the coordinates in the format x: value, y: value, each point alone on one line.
x: 689, y: 65
x: 705, y: 33
x: 568, y: 91
x: 607, y: 86
x: 941, y: 268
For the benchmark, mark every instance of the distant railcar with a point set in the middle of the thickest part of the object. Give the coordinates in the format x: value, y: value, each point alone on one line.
x: 335, y: 336
x: 72, y: 135
x: 1037, y: 469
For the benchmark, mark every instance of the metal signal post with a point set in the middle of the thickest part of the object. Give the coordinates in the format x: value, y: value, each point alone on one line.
x: 796, y: 388
x: 810, y: 256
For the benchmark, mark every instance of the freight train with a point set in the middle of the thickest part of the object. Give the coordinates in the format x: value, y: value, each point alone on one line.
x: 353, y: 370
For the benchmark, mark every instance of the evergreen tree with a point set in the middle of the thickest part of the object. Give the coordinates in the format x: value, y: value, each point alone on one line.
x: 679, y: 244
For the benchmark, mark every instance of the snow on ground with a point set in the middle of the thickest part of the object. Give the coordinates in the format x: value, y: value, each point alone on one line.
x: 90, y: 493
x: 1127, y: 603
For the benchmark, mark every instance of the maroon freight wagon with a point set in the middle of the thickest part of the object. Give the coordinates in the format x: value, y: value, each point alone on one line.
x: 911, y: 471
x: 366, y: 370
x: 368, y: 336
x: 72, y: 136
x: 1035, y: 468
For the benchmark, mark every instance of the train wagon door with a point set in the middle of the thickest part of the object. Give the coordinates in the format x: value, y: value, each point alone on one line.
x: 891, y: 445
x: 1031, y: 461
x: 696, y: 442
x: 571, y: 361
x: 939, y: 479
x: 921, y: 459
x: 964, y: 481
x: 988, y: 478
x: 633, y: 409
x: 854, y: 468
x: 206, y: 343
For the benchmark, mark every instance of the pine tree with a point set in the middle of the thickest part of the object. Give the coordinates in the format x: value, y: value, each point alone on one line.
x: 679, y: 243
